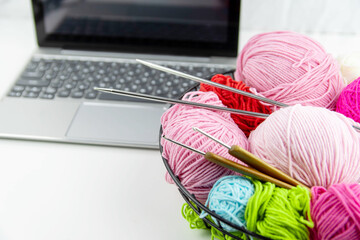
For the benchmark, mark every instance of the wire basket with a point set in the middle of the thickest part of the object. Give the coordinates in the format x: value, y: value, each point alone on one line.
x: 198, y: 207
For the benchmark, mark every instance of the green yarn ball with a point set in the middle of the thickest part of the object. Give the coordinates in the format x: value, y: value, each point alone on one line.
x: 279, y: 213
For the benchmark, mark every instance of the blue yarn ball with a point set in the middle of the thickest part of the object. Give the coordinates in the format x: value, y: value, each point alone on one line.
x: 228, y: 198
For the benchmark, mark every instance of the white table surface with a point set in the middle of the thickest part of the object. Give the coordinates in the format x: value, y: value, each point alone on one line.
x: 67, y: 191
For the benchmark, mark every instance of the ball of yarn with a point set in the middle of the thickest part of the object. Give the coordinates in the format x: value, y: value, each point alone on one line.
x: 349, y: 66
x: 314, y: 145
x: 228, y: 199
x: 290, y: 68
x: 195, y: 222
x: 336, y: 212
x: 349, y: 101
x: 197, y: 174
x: 279, y: 213
x: 238, y: 101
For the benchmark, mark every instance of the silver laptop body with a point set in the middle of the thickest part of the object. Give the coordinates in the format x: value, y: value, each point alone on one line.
x: 68, y: 32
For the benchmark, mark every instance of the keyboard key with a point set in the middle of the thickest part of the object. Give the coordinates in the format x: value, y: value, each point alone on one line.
x: 118, y: 86
x: 106, y: 79
x: 174, y: 92
x: 122, y: 80
x: 47, y: 96
x: 69, y: 86
x: 91, y: 95
x: 64, y: 93
x: 101, y: 64
x: 134, y: 88
x: 44, y: 66
x: 31, y: 95
x: 18, y: 88
x: 32, y: 66
x: 83, y: 86
x: 199, y: 74
x: 185, y: 84
x: 14, y: 94
x: 50, y: 75
x: 50, y: 90
x: 90, y: 79
x: 115, y: 72
x: 75, y: 77
x: 77, y: 94
x: 103, y: 85
x: 33, y: 82
x: 182, y: 90
x: 161, y: 80
x: 98, y: 77
x: 32, y: 75
x: 142, y: 90
x: 92, y: 68
x: 56, y: 84
x: 160, y: 92
x: 101, y: 71
x: 146, y: 89
x: 64, y: 76
x: 34, y: 89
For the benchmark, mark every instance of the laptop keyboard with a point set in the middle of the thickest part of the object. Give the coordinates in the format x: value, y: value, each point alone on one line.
x: 46, y: 78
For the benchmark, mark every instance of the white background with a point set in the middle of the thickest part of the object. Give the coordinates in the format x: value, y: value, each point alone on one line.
x: 65, y: 191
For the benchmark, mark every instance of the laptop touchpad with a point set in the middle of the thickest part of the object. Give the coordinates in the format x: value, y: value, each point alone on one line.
x: 117, y: 124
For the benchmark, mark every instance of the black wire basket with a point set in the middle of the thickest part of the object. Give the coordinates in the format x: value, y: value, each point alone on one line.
x: 198, y: 207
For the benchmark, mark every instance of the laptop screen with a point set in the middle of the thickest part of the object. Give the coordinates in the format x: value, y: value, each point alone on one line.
x: 177, y: 27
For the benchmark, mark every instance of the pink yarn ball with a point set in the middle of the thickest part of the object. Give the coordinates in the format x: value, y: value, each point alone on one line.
x: 349, y: 101
x: 336, y: 212
x: 290, y: 68
x: 195, y: 172
x: 314, y: 145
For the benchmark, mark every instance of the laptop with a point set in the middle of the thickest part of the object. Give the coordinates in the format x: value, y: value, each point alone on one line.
x: 94, y: 43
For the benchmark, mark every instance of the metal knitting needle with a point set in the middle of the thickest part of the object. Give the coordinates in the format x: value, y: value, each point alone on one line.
x: 221, y: 161
x: 357, y: 128
x: 175, y: 101
x: 201, y: 80
x: 253, y: 161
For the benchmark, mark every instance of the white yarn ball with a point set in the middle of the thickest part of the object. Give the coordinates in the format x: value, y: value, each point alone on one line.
x: 349, y: 66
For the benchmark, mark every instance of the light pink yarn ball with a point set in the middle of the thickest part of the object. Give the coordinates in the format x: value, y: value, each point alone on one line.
x: 290, y: 68
x: 314, y: 145
x: 196, y: 173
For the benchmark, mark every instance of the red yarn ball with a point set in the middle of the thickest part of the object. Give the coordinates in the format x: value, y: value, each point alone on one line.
x: 237, y: 101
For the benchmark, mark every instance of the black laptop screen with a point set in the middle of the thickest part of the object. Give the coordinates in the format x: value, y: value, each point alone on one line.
x: 183, y: 27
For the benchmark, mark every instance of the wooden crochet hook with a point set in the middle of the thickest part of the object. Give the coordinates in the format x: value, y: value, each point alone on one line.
x: 255, y: 162
x: 248, y: 171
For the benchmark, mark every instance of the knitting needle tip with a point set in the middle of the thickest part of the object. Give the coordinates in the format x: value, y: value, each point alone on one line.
x: 211, y: 137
